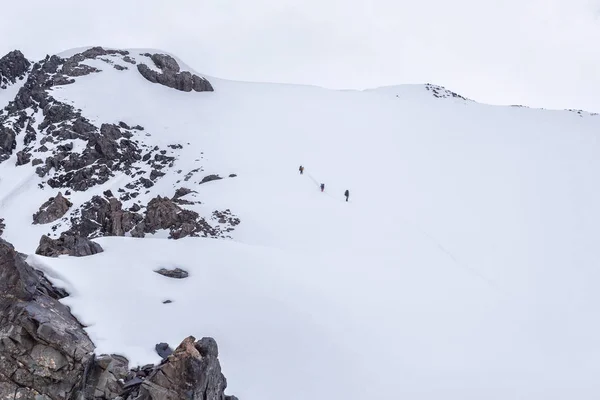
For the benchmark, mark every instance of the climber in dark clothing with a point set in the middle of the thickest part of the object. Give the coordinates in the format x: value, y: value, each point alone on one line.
x: 301, y: 169
x: 322, y: 187
x: 347, y: 194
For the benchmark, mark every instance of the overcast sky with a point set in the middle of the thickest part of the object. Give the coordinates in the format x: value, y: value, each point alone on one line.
x: 541, y: 53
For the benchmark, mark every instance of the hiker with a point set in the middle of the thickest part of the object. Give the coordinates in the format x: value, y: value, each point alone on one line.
x: 322, y: 187
x: 347, y: 194
x: 301, y: 169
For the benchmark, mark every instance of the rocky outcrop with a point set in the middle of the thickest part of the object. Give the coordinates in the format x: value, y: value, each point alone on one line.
x: 52, y: 210
x: 13, y: 67
x: 170, y: 75
x: 104, y: 217
x: 193, y: 371
x: 67, y: 244
x: 164, y: 213
x: 2, y: 226
x: 44, y: 351
x: 108, y: 149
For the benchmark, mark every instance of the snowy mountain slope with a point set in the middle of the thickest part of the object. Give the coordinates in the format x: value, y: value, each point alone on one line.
x: 463, y: 267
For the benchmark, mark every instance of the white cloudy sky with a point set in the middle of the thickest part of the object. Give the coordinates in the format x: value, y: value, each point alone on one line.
x: 536, y: 52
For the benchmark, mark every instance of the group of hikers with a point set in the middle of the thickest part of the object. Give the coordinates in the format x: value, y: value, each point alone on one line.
x: 322, y: 186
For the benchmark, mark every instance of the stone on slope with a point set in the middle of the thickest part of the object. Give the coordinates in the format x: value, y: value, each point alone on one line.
x: 67, y: 244
x: 52, y: 210
x: 176, y: 273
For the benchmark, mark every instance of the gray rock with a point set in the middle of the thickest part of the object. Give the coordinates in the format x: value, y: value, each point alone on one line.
x: 52, y: 210
x: 2, y: 226
x: 207, y: 347
x: 67, y: 244
x: 176, y: 273
x: 163, y: 350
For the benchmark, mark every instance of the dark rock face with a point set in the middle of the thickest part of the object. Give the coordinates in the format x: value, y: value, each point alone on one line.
x: 176, y: 273
x: 55, y: 208
x: 67, y: 244
x: 2, y: 226
x: 171, y: 76
x: 13, y: 66
x: 44, y: 351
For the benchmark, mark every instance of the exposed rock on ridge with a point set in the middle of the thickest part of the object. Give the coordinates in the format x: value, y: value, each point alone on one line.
x: 13, y: 67
x: 171, y: 75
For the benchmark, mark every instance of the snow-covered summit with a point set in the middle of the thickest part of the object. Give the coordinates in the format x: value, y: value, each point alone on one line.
x: 463, y: 266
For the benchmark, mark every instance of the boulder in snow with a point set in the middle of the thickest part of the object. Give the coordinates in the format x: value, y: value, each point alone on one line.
x: 176, y: 273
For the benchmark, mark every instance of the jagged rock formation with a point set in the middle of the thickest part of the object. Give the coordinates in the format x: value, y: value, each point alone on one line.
x: 52, y: 210
x: 13, y: 67
x: 170, y: 381
x: 45, y: 353
x: 104, y: 217
x: 108, y: 149
x: 171, y: 76
x: 2, y: 226
x: 66, y: 244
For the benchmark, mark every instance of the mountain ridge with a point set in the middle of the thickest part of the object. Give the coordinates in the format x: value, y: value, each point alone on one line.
x: 438, y: 278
